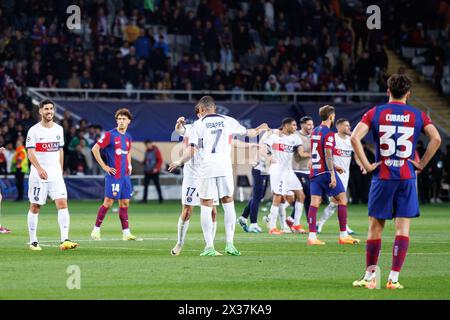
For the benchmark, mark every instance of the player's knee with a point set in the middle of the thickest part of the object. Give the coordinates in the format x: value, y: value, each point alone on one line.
x: 107, y: 203
x: 186, y: 214
x: 34, y: 208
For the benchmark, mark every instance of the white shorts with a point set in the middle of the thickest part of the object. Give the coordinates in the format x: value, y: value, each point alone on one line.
x: 284, y: 182
x: 344, y: 179
x: 189, y: 192
x: 38, y: 191
x: 218, y: 186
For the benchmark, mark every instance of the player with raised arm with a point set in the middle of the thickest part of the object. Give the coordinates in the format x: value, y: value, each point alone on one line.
x: 282, y: 145
x: 3, y: 230
x: 324, y: 180
x: 211, y: 136
x: 342, y: 157
x: 395, y: 128
x: 116, y: 144
x: 189, y: 188
x: 45, y: 142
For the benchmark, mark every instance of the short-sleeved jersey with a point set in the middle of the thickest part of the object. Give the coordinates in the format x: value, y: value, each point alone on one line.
x: 282, y: 148
x: 116, y: 147
x: 298, y: 163
x: 212, y: 135
x: 260, y: 160
x: 395, y: 129
x: 342, y: 153
x: 46, y: 143
x: 321, y: 138
x: 190, y: 167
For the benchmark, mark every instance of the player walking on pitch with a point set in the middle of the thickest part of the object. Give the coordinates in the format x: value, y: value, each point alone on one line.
x: 211, y: 136
x: 117, y: 146
x: 324, y: 179
x: 395, y: 128
x: 45, y: 142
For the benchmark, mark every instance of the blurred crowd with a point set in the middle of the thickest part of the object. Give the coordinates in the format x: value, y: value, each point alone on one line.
x: 425, y: 25
x: 259, y: 45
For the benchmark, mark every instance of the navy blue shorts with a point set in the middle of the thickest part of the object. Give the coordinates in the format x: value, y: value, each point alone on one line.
x: 390, y: 199
x: 320, y: 185
x: 118, y: 188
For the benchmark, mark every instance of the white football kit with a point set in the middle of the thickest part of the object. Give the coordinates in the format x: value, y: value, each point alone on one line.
x: 212, y: 136
x: 282, y: 176
x: 191, y: 178
x: 46, y: 143
x: 342, y: 157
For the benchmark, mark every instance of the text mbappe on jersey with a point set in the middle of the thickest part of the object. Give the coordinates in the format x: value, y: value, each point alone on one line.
x: 213, y: 125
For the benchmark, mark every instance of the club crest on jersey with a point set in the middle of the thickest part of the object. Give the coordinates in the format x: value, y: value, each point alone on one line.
x: 394, y: 163
x: 189, y: 199
x: 47, y: 147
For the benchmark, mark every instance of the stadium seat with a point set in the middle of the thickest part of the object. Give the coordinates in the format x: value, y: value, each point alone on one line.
x: 427, y: 71
x: 417, y: 61
x: 446, y: 71
x: 408, y: 52
x: 421, y: 51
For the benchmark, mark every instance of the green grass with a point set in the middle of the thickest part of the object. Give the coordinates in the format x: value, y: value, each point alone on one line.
x: 271, y: 267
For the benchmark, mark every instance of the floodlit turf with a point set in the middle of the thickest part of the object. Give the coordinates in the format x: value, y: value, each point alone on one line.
x: 271, y: 267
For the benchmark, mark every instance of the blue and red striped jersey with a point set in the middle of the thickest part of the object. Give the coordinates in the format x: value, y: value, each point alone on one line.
x: 321, y: 138
x: 116, y: 146
x: 395, y: 128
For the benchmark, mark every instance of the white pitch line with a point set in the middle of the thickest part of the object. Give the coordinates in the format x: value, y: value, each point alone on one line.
x: 253, y: 251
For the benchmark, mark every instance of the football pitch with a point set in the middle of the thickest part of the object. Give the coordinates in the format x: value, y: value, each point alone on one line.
x: 271, y: 267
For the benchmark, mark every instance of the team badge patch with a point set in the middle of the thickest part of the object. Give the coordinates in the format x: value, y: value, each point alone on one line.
x: 189, y: 199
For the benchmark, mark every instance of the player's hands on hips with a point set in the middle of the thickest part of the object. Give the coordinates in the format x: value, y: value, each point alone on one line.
x: 333, y: 182
x: 363, y: 170
x: 110, y: 171
x: 42, y: 174
x: 339, y: 169
x: 416, y: 164
x: 372, y: 167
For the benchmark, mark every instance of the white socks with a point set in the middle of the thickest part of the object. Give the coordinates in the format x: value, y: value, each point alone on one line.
x: 394, y: 276
x: 328, y: 212
x: 182, y: 230
x: 207, y: 225
x: 126, y: 232
x: 273, y: 216
x: 214, y: 229
x: 64, y: 223
x: 32, y: 226
x: 298, y: 212
x: 282, y: 207
x: 230, y: 221
x: 312, y: 236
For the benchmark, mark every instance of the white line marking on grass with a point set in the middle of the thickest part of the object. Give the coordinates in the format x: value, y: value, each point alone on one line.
x: 251, y: 251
